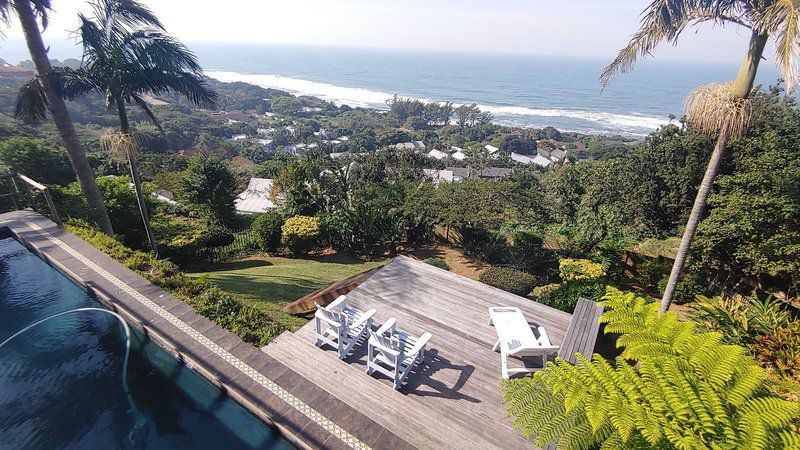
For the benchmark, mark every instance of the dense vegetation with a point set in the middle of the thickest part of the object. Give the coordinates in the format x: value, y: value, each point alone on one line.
x: 673, y: 386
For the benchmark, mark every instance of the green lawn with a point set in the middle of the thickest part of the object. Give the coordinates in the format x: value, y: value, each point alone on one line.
x: 271, y: 282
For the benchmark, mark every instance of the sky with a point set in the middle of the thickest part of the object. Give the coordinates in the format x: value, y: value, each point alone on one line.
x: 572, y: 28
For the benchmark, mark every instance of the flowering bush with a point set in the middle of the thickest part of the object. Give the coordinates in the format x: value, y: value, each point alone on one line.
x: 300, y: 234
x: 579, y: 269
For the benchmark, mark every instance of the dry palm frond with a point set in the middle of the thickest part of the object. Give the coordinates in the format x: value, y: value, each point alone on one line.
x: 712, y: 108
x: 121, y: 146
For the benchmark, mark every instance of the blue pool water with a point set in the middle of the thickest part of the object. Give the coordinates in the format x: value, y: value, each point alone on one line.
x: 61, y: 381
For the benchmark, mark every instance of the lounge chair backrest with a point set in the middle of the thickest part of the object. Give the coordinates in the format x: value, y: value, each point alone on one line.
x: 390, y: 342
x: 333, y: 315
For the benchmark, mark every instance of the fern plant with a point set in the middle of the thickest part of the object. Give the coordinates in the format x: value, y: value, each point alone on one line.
x: 685, y: 390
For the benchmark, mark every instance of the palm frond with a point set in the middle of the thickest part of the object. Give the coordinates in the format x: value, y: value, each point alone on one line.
x: 31, y: 106
x: 124, y: 14
x: 781, y: 20
x: 664, y: 21
x: 147, y: 111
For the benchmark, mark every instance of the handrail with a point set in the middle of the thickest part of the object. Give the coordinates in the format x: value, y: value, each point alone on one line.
x: 27, y: 184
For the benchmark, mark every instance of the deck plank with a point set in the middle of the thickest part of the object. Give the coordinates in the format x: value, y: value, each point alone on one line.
x: 453, y: 398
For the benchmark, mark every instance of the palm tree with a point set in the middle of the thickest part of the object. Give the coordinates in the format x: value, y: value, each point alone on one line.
x: 721, y: 109
x: 128, y: 55
x: 28, y: 11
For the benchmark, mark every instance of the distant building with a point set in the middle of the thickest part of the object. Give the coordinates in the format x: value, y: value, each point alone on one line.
x: 459, y: 156
x: 238, y: 137
x: 438, y: 154
x: 527, y: 160
x: 256, y: 199
x: 439, y: 176
x: 9, y: 71
x: 489, y: 173
x: 268, y: 144
x: 412, y: 145
x: 558, y: 155
x: 491, y: 149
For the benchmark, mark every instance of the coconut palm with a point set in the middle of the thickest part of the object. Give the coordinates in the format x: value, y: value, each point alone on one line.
x: 28, y: 12
x: 721, y: 109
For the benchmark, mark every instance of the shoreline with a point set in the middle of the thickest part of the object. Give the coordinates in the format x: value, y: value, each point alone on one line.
x: 595, y: 122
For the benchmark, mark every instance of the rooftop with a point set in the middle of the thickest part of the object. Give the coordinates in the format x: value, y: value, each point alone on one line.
x: 256, y: 198
x: 454, y: 396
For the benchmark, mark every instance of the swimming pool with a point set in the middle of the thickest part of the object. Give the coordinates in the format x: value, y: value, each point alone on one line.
x: 65, y: 383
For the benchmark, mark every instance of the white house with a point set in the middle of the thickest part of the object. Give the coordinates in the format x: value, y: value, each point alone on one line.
x: 238, y: 137
x: 412, y: 145
x: 491, y: 149
x: 460, y: 155
x: 438, y: 176
x: 539, y: 160
x: 438, y: 154
x: 457, y: 149
x: 256, y: 198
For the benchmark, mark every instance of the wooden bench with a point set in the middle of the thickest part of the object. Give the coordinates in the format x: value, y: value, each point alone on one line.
x: 582, y: 331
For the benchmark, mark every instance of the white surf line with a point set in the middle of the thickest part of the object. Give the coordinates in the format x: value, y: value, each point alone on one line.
x: 282, y: 393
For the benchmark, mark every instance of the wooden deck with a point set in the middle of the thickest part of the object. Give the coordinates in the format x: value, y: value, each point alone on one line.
x: 453, y: 400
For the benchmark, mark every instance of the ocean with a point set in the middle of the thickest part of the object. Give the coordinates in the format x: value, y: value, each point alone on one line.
x: 519, y: 90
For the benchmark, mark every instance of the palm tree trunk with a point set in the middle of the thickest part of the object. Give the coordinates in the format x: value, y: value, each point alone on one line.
x: 741, y: 89
x: 58, y: 109
x: 125, y: 127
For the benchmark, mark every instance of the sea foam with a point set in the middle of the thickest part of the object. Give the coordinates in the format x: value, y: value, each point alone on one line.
x: 565, y: 119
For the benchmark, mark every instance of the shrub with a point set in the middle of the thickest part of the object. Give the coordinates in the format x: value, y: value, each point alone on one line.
x: 651, y: 272
x: 740, y: 320
x: 484, y: 245
x: 579, y: 269
x: 197, y: 243
x: 672, y: 387
x: 267, y: 228
x: 300, y: 234
x: 779, y: 350
x: 566, y: 295
x: 252, y: 325
x: 511, y: 280
x: 687, y: 290
x: 437, y: 262
x: 528, y: 255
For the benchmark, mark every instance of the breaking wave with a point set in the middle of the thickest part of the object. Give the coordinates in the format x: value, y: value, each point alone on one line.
x: 564, y: 119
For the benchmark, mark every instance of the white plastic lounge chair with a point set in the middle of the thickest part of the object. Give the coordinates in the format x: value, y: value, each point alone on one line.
x: 341, y: 326
x: 515, y: 338
x: 394, y: 353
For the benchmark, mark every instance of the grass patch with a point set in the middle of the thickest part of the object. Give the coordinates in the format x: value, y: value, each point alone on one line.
x: 658, y: 247
x: 271, y: 282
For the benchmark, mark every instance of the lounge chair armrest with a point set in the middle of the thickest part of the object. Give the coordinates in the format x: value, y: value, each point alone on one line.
x: 340, y: 303
x: 544, y: 341
x: 330, y: 322
x: 364, y: 317
x: 388, y: 326
x: 421, y: 342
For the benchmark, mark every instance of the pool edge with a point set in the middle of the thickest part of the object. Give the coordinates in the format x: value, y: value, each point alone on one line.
x: 244, y: 373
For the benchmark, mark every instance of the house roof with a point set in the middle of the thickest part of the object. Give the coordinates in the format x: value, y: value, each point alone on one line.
x: 487, y: 173
x: 538, y: 159
x: 256, y: 198
x: 491, y: 148
x: 438, y: 154
x: 437, y: 176
x: 459, y: 156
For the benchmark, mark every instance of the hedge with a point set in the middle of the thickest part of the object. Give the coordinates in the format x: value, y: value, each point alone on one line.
x: 511, y: 280
x: 565, y: 296
x: 227, y: 311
